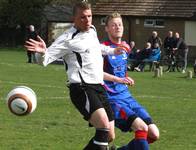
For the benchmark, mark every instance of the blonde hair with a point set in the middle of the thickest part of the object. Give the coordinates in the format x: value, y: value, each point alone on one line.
x: 111, y: 16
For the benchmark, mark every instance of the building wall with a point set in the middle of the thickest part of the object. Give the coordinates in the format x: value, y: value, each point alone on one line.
x: 140, y: 34
x: 99, y: 27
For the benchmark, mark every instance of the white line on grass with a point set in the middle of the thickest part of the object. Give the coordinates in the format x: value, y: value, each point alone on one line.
x: 152, y: 96
x: 55, y: 97
x: 62, y: 87
x: 34, y: 84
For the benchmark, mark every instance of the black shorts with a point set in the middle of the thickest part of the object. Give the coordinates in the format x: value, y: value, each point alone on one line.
x: 88, y: 98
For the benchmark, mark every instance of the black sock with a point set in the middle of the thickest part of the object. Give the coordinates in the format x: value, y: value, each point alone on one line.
x: 99, y: 141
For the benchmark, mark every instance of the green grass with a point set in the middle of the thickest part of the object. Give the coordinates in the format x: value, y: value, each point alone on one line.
x: 56, y: 124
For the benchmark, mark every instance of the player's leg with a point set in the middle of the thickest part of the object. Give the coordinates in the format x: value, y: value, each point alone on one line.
x: 104, y: 130
x: 185, y: 59
x: 140, y: 141
x: 141, y: 131
x: 88, y: 100
x: 111, y: 131
x: 127, y: 117
x: 100, y: 121
x: 153, y: 133
x: 126, y: 120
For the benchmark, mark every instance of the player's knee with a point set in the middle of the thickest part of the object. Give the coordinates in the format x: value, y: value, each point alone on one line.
x: 153, y: 133
x: 99, y: 119
x: 139, y: 124
x: 156, y: 135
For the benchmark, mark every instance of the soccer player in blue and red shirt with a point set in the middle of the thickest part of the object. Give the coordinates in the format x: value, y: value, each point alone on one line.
x: 129, y: 114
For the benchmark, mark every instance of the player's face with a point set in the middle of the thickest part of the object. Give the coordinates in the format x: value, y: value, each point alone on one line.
x: 83, y: 19
x: 115, y: 28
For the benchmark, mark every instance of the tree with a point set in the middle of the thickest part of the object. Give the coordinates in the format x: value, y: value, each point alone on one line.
x: 15, y: 15
x: 17, y: 12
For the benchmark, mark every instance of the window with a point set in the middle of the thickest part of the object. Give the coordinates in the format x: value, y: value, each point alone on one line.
x: 155, y: 23
x: 148, y: 23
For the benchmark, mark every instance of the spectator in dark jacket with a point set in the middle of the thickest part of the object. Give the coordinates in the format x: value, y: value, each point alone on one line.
x: 169, y: 43
x: 155, y: 39
x: 31, y: 34
x: 181, y: 47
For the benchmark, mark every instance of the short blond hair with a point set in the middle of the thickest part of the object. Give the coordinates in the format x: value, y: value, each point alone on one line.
x: 112, y: 16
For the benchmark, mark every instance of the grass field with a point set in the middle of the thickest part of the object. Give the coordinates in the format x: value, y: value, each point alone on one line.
x: 56, y: 125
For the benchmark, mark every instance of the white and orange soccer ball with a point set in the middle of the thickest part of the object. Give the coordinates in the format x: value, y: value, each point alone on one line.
x: 21, y: 100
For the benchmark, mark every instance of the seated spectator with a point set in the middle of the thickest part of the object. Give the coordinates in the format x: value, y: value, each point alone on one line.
x: 134, y: 50
x: 141, y: 55
x: 132, y: 56
x: 154, y: 57
x: 155, y: 53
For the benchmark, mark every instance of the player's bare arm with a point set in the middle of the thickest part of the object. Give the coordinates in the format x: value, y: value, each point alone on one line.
x: 127, y: 80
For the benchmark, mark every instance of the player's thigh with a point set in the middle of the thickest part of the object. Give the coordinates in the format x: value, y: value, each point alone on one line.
x: 91, y: 101
x: 142, y: 113
x: 99, y: 118
x: 124, y: 116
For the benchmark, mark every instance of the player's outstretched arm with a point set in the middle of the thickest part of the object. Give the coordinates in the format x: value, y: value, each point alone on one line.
x: 127, y: 80
x: 36, y: 45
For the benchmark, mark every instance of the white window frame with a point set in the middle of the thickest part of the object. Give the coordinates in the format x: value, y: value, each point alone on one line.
x: 153, y: 24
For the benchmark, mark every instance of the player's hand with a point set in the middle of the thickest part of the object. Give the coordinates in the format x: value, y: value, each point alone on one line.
x: 123, y: 48
x: 36, y: 45
x: 129, y: 81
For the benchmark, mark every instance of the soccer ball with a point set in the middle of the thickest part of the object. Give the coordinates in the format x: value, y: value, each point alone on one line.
x: 21, y: 100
